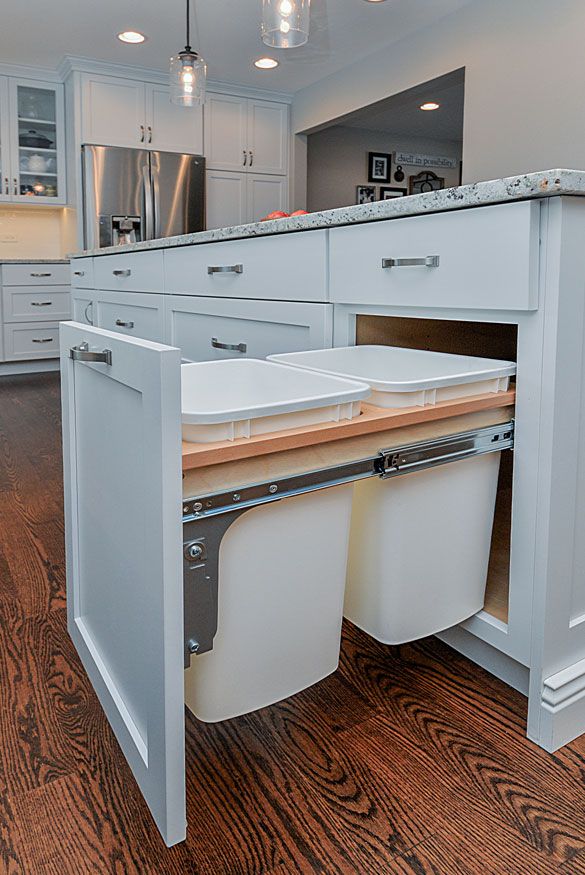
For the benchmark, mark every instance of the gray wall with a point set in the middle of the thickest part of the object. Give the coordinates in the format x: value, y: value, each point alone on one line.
x: 524, y: 75
x: 337, y: 163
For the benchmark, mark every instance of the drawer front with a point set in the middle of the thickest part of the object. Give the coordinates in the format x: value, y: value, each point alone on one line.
x: 132, y: 314
x: 24, y: 341
x: 26, y: 304
x: 206, y: 329
x: 134, y: 272
x: 484, y: 258
x: 35, y: 274
x: 82, y: 273
x: 82, y: 307
x: 285, y: 267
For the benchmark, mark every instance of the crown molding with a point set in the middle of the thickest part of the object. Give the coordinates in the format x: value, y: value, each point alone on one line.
x: 21, y: 71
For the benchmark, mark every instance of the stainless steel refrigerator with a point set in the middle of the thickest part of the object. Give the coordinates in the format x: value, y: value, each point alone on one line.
x: 130, y: 195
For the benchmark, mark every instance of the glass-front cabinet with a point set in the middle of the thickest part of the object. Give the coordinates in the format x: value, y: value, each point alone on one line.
x: 32, y: 149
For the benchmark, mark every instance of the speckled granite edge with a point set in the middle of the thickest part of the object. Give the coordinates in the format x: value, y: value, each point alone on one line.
x: 546, y: 183
x: 34, y: 261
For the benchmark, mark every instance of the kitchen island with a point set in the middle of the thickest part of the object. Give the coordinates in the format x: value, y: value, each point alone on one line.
x: 496, y: 268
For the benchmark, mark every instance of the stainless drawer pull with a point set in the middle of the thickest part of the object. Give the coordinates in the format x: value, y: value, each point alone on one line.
x: 126, y: 272
x: 41, y: 303
x: 429, y: 261
x: 81, y: 353
x: 225, y: 268
x: 88, y: 318
x: 42, y: 339
x: 78, y: 273
x: 233, y: 347
x: 124, y: 324
x: 41, y: 274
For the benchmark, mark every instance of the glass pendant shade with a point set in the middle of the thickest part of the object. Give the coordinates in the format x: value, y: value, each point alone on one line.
x: 188, y: 79
x: 285, y: 23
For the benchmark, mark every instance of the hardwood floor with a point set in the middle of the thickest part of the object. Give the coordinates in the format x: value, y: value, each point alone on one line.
x: 406, y: 760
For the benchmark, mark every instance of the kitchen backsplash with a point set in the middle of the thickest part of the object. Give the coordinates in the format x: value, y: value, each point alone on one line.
x: 26, y: 232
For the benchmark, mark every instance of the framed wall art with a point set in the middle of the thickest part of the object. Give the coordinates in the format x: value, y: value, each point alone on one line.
x: 379, y: 167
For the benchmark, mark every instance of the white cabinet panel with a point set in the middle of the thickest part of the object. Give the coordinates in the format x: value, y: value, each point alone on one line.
x: 226, y: 199
x: 487, y: 259
x: 35, y: 274
x: 29, y: 304
x: 5, y: 165
x: 264, y: 195
x: 169, y: 127
x: 268, y: 136
x: 24, y: 341
x: 226, y: 123
x: 285, y: 267
x: 113, y: 111
x: 130, y: 271
x: 203, y: 327
x: 82, y: 307
x: 130, y: 313
x: 82, y: 273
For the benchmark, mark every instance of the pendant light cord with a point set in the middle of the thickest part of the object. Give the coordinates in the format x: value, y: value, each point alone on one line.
x: 188, y: 46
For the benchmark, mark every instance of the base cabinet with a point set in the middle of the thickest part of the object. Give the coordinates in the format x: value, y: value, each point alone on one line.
x: 34, y: 298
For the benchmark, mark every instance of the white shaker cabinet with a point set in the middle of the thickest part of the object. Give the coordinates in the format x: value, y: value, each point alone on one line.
x: 238, y: 198
x: 127, y: 112
x: 247, y: 135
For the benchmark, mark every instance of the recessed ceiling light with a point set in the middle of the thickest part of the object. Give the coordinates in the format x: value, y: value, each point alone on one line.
x: 131, y: 36
x: 430, y: 106
x: 266, y: 63
x: 374, y: 1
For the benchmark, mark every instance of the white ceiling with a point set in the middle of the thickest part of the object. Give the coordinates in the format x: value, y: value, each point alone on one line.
x: 401, y: 114
x: 40, y: 33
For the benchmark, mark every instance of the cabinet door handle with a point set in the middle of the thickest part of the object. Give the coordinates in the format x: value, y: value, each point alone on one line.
x: 225, y: 268
x: 15, y: 181
x: 245, y: 157
x: 427, y: 261
x: 42, y: 339
x: 7, y: 185
x: 41, y: 303
x: 142, y: 133
x: 251, y: 158
x: 39, y: 273
x: 149, y: 129
x: 78, y: 273
x: 88, y: 318
x: 126, y: 272
x: 82, y: 353
x: 233, y: 347
x: 121, y: 324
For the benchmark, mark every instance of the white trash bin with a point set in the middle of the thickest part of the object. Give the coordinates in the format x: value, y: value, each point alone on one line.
x: 420, y: 543
x: 282, y: 566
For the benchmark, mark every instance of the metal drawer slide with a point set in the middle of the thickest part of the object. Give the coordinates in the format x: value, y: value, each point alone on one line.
x: 206, y: 518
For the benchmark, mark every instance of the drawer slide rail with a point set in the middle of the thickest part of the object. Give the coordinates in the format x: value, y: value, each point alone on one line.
x: 206, y: 518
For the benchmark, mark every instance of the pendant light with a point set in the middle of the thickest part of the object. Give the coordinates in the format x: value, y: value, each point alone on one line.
x: 285, y: 23
x: 188, y: 74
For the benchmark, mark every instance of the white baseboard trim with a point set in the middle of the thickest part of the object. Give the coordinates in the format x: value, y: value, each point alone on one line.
x: 9, y: 369
x: 562, y: 707
x: 497, y: 663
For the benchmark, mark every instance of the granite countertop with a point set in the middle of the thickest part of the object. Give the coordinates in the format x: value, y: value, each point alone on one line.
x: 34, y: 261
x: 544, y: 183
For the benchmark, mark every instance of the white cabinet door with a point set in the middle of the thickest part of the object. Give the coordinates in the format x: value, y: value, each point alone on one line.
x: 208, y: 328
x: 82, y: 307
x: 226, y: 122
x: 226, y: 199
x: 113, y: 111
x: 5, y: 166
x: 172, y: 128
x: 264, y: 195
x: 122, y: 473
x: 267, y: 137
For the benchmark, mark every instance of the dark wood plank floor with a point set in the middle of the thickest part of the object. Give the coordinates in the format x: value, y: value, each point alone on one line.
x: 407, y: 760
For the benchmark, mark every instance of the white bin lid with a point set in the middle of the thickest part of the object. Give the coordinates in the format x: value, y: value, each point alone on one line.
x: 394, y: 369
x: 232, y: 389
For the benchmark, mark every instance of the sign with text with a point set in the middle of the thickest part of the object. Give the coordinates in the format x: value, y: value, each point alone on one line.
x: 413, y: 160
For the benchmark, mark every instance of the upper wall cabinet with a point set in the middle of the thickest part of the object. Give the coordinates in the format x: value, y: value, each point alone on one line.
x: 32, y: 142
x: 246, y: 134
x: 125, y: 112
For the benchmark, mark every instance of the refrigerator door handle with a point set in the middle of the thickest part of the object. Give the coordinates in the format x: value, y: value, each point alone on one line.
x: 148, y: 206
x: 155, y: 200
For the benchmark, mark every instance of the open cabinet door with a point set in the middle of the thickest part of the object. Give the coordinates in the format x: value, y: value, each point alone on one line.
x: 122, y: 473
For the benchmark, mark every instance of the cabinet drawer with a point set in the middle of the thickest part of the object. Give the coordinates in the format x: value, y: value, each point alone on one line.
x: 133, y: 314
x: 24, y: 341
x: 487, y: 259
x: 206, y: 328
x: 35, y: 274
x: 26, y: 304
x: 285, y: 267
x: 133, y: 272
x: 82, y: 273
